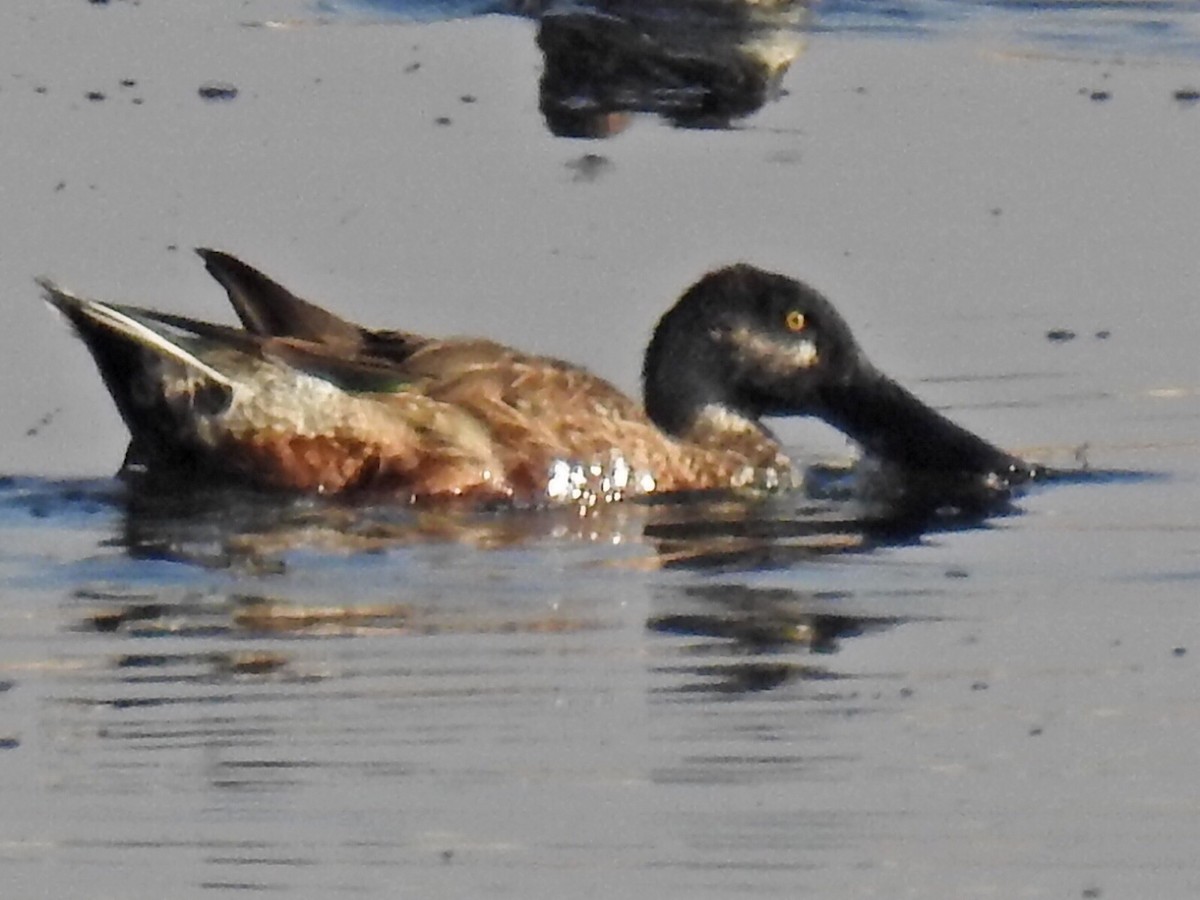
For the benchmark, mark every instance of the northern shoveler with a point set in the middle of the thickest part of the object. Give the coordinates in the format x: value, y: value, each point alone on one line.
x: 302, y: 400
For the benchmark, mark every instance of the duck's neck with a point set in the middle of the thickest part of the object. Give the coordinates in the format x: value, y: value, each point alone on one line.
x: 739, y: 448
x: 681, y: 406
x: 685, y: 385
x: 689, y: 392
x: 719, y: 427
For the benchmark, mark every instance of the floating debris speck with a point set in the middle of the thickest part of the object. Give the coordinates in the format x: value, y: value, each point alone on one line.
x: 218, y: 90
x: 590, y: 166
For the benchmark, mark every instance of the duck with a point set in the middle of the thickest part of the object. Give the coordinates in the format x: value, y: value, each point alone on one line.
x: 300, y: 400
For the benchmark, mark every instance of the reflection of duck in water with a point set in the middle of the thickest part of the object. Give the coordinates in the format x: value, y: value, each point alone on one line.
x: 302, y: 400
x: 697, y: 63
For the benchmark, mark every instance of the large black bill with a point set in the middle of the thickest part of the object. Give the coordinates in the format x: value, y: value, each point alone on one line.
x: 892, y: 424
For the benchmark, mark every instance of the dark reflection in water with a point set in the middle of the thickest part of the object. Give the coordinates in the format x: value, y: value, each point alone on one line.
x: 222, y: 562
x: 753, y: 629
x: 765, y: 620
x: 227, y: 527
x: 696, y: 64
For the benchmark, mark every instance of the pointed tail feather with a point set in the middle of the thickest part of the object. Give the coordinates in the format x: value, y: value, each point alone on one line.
x: 125, y: 343
x: 98, y: 322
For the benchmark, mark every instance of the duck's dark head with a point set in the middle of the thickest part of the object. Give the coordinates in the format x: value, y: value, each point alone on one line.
x: 743, y: 343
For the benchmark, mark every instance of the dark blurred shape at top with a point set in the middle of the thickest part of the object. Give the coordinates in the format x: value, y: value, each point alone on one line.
x: 696, y: 63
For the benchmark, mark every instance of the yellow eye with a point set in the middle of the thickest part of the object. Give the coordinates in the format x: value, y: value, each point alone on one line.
x: 794, y: 321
